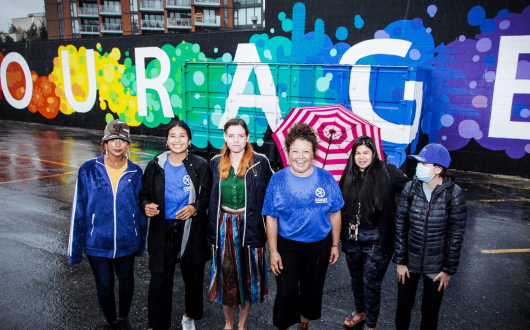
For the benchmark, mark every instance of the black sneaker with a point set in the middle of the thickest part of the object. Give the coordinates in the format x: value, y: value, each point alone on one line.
x: 124, y: 325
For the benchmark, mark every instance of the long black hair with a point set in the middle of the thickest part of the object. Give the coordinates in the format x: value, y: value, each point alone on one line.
x: 373, y: 192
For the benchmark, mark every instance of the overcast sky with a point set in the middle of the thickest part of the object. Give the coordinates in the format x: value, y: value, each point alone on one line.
x: 16, y: 9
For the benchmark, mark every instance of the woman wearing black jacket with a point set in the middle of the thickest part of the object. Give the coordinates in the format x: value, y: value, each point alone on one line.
x: 430, y: 225
x: 368, y: 187
x: 175, y: 196
x: 236, y: 228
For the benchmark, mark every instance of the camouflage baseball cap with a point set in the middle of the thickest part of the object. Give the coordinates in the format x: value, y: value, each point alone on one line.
x: 117, y: 129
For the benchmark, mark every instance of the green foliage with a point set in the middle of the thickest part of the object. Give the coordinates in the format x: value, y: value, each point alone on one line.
x: 43, y: 31
x: 8, y: 38
x: 31, y: 33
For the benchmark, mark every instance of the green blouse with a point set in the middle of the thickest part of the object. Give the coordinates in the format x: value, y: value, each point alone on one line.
x: 233, y: 191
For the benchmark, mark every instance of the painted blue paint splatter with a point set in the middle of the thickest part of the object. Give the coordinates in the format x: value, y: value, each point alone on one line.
x: 431, y: 10
x: 490, y: 60
x: 503, y: 13
x: 488, y: 26
x: 359, y: 22
x: 417, y: 23
x: 476, y: 16
x: 341, y: 33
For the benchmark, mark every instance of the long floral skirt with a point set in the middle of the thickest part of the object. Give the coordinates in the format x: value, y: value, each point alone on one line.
x: 238, y: 273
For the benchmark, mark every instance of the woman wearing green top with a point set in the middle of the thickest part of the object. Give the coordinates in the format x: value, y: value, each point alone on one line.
x: 236, y: 228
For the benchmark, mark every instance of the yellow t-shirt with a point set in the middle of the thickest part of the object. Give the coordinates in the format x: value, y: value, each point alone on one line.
x: 115, y: 175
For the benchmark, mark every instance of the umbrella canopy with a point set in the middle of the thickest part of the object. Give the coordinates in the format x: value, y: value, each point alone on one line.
x: 337, y: 128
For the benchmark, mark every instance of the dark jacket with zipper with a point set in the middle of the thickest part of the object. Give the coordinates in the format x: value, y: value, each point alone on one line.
x: 256, y: 180
x: 429, y: 235
x: 194, y: 248
x: 384, y: 219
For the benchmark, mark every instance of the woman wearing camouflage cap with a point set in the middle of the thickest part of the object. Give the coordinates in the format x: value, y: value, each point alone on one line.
x: 107, y: 223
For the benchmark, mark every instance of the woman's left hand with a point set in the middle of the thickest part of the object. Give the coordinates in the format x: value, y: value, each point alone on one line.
x: 334, y: 256
x: 444, y: 280
x: 186, y: 212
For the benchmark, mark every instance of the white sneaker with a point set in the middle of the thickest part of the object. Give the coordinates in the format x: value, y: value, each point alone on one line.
x: 188, y: 323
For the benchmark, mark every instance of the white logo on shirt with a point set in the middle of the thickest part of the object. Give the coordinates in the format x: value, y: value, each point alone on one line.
x: 186, y: 180
x: 320, y: 192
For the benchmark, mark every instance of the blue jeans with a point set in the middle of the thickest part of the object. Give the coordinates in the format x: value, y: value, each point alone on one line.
x: 104, y: 269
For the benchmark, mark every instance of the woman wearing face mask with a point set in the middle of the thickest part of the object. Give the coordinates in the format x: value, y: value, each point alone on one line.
x: 430, y: 224
x: 303, y: 227
x: 107, y: 224
x: 368, y: 186
x: 236, y: 230
x: 175, y: 197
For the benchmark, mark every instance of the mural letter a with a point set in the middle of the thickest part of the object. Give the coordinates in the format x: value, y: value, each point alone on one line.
x: 268, y: 101
x: 86, y: 105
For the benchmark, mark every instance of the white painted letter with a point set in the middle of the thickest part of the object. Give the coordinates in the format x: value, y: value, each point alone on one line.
x: 142, y: 83
x: 28, y: 92
x: 360, y: 86
x: 506, y: 86
x: 86, y: 105
x: 267, y: 101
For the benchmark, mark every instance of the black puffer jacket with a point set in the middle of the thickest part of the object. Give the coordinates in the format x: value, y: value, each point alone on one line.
x: 194, y: 248
x: 256, y: 180
x: 429, y: 235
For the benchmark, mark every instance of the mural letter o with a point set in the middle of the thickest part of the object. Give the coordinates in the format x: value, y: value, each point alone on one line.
x: 8, y: 59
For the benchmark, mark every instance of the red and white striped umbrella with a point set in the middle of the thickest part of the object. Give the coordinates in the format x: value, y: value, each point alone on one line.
x: 337, y: 128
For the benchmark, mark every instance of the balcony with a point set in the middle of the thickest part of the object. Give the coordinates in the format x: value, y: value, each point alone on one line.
x: 149, y: 5
x: 207, y: 21
x: 111, y: 28
x: 207, y: 3
x: 109, y: 10
x: 87, y: 12
x: 153, y: 25
x: 89, y: 29
x: 179, y: 23
x: 178, y: 4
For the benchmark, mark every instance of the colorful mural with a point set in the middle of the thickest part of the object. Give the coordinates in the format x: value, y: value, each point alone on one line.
x: 478, y: 87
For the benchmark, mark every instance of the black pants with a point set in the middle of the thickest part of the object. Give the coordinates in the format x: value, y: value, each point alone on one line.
x: 160, y: 296
x: 103, y: 270
x: 301, y: 282
x: 367, y: 265
x: 430, y: 304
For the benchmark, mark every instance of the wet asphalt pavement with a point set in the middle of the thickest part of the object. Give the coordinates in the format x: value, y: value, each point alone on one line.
x: 41, y: 291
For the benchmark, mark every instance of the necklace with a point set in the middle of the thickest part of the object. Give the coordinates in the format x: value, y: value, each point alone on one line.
x: 114, y: 167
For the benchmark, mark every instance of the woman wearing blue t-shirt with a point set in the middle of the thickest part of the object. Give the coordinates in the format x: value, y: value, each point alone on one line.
x: 175, y: 197
x: 302, y: 205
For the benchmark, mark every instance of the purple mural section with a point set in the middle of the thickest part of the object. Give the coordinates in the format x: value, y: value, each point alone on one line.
x: 464, y: 112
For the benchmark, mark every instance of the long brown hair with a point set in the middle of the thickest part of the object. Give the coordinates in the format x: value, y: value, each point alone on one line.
x: 247, y: 160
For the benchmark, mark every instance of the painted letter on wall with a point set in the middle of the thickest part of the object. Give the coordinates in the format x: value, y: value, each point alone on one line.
x: 86, y: 105
x: 142, y: 83
x: 506, y: 86
x: 10, y: 58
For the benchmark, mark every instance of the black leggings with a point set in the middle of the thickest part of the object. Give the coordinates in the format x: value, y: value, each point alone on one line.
x: 301, y: 282
x: 430, y: 304
x: 104, y: 269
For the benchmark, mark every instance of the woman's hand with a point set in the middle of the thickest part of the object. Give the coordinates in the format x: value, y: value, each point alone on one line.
x: 444, y: 280
x: 186, y: 212
x: 151, y: 210
x: 402, y: 270
x: 276, y: 263
x: 334, y: 256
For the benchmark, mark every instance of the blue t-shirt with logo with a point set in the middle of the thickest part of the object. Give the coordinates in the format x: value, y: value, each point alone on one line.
x: 302, y: 205
x: 177, y: 191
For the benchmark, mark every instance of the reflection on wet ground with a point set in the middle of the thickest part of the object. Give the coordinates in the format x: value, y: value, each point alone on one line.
x: 41, y: 291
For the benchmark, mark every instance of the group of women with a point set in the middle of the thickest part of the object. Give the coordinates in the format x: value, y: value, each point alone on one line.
x: 229, y: 208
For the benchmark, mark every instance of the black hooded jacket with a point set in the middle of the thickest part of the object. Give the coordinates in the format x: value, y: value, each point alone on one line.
x: 393, y: 182
x: 429, y: 235
x: 256, y: 180
x: 194, y: 248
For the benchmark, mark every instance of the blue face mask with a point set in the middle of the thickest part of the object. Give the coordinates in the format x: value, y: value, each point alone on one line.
x: 422, y: 173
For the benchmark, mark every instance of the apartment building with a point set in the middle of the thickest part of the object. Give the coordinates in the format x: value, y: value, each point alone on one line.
x: 99, y: 18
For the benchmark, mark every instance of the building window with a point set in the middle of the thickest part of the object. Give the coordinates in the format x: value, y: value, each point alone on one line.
x: 226, y: 19
x: 243, y: 16
x: 134, y: 6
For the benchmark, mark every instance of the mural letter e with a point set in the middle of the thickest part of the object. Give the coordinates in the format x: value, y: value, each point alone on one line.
x: 506, y: 86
